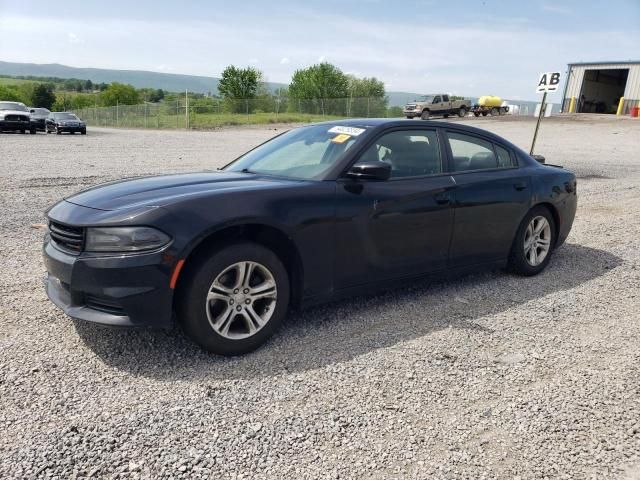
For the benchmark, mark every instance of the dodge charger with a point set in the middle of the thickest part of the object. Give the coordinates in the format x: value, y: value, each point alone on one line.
x: 317, y: 213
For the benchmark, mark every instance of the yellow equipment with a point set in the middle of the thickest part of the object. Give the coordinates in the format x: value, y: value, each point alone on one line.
x: 489, y: 101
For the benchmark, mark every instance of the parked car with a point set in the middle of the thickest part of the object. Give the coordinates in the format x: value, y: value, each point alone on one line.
x: 60, y: 122
x: 438, y: 104
x: 320, y: 212
x: 15, y: 117
x: 39, y: 117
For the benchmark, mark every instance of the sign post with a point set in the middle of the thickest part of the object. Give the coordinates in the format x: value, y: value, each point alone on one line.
x: 548, y: 82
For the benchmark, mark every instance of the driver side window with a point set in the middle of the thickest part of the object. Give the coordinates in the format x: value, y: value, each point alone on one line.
x: 411, y: 153
x: 436, y: 100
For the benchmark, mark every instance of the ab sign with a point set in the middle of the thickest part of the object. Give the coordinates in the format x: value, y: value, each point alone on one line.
x: 548, y: 82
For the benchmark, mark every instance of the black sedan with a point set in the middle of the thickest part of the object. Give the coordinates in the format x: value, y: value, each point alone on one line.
x: 61, y: 122
x: 317, y: 213
x: 39, y: 118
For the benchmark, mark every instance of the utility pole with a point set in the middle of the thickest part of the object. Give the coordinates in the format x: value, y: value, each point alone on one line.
x: 543, y: 107
x: 186, y: 109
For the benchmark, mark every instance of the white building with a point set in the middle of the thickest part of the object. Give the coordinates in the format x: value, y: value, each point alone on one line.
x: 598, y: 86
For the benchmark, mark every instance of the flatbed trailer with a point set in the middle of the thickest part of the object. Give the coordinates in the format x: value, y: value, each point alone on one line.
x: 478, y: 110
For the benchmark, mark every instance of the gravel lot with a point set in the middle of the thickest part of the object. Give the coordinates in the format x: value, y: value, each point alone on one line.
x: 489, y: 376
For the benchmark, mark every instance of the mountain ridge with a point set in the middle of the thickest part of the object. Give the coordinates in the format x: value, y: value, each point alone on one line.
x: 173, y: 82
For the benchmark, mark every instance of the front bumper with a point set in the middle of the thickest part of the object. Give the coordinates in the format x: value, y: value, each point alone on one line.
x: 14, y: 125
x: 63, y: 128
x: 124, y: 291
x: 38, y: 125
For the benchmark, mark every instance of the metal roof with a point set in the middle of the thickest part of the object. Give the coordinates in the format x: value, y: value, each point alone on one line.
x: 628, y: 62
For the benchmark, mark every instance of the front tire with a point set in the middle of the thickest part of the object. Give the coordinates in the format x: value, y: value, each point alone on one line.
x: 533, y: 245
x: 232, y: 301
x: 425, y: 115
x: 463, y: 112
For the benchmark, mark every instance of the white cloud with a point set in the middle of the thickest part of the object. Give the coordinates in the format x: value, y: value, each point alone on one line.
x: 73, y: 38
x: 321, y: 58
x: 556, y: 9
x: 284, y: 61
x: 253, y: 61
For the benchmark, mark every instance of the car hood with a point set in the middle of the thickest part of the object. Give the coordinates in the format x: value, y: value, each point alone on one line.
x: 162, y: 190
x: 14, y: 112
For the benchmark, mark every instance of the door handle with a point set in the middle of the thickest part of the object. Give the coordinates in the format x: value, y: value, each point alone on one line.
x: 520, y: 186
x: 442, y: 198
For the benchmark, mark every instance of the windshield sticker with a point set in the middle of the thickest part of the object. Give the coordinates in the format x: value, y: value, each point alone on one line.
x: 343, y: 137
x: 352, y: 131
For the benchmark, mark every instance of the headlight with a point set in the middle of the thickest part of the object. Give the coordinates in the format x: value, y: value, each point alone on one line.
x: 124, y: 239
x: 2, y: 116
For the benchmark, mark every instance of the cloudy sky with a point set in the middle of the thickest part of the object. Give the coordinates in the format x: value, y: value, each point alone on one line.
x: 469, y: 47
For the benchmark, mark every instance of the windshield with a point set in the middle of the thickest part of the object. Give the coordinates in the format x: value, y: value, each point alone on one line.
x: 425, y: 98
x: 306, y: 153
x: 13, y: 106
x: 64, y: 116
x: 41, y: 111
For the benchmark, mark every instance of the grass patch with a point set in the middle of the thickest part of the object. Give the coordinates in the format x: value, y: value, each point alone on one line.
x: 14, y: 81
x: 138, y: 119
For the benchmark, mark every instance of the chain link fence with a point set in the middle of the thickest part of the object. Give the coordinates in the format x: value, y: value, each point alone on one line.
x: 211, y: 112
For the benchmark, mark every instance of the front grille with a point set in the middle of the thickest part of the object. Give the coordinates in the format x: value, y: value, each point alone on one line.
x: 69, y: 239
x: 16, y: 118
x: 410, y: 107
x: 103, y: 305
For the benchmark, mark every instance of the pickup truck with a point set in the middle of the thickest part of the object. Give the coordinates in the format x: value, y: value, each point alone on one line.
x: 438, y: 104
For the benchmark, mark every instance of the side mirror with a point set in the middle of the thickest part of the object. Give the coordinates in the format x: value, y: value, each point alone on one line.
x: 32, y: 111
x: 370, y: 171
x: 539, y: 158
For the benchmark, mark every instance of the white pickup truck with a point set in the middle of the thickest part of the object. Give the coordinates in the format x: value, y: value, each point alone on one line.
x: 436, y: 104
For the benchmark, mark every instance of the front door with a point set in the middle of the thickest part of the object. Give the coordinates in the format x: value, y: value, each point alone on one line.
x: 399, y: 227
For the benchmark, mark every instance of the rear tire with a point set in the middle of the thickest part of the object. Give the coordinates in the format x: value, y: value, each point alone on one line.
x: 32, y: 132
x: 533, y: 244
x: 425, y: 115
x: 218, y: 307
x: 494, y: 112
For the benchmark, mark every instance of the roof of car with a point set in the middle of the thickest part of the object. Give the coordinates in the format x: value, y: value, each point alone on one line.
x: 401, y: 122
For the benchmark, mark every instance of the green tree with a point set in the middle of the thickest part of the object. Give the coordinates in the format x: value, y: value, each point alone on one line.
x: 43, y: 96
x: 239, y: 83
x: 319, y: 83
x: 366, y: 97
x: 151, y: 94
x: 11, y: 94
x: 119, y: 93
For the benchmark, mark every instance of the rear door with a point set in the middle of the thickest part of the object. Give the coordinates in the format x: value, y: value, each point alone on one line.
x: 492, y: 195
x: 399, y: 227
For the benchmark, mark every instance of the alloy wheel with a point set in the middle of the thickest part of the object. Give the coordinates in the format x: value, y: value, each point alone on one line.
x: 537, y: 240
x: 241, y: 300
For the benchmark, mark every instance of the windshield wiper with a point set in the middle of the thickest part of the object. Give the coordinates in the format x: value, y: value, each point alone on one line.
x: 246, y: 170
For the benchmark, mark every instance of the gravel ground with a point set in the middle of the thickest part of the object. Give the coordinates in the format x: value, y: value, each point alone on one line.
x: 488, y: 376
